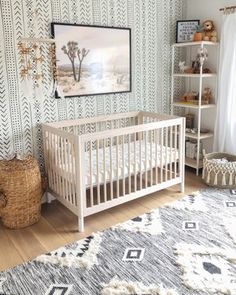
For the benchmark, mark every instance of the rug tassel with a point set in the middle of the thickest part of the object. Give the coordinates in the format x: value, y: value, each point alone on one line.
x: 216, y: 179
x: 231, y: 178
x: 223, y: 179
x: 208, y: 177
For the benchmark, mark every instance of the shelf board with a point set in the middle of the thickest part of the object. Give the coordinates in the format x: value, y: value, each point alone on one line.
x: 199, y: 43
x: 195, y: 75
x: 193, y: 106
x: 202, y: 135
x: 193, y: 163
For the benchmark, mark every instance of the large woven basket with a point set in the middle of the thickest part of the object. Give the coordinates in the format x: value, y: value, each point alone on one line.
x: 20, y: 192
x: 219, y: 174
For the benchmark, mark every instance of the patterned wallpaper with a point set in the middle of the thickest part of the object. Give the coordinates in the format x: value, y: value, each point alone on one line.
x: 153, y: 30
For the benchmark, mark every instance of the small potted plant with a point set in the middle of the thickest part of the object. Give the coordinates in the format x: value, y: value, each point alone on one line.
x: 198, y: 36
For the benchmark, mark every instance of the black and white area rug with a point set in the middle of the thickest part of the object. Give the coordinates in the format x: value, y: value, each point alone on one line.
x: 187, y: 247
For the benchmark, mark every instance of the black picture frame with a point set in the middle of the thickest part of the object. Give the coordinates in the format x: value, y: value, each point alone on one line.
x: 188, y: 30
x: 103, y: 28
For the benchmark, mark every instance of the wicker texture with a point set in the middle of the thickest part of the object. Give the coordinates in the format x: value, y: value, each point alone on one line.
x: 219, y: 174
x: 20, y: 192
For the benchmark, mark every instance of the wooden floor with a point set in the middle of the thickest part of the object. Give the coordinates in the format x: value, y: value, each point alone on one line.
x: 58, y: 226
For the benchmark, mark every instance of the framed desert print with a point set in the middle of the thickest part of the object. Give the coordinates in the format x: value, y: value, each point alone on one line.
x: 92, y: 60
x: 185, y: 30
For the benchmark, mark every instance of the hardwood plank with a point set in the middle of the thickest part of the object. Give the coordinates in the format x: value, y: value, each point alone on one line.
x: 9, y: 256
x: 26, y: 243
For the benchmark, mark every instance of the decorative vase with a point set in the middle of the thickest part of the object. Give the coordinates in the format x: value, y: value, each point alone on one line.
x: 198, y: 37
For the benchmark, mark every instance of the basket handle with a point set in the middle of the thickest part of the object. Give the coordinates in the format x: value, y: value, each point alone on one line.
x: 3, y: 201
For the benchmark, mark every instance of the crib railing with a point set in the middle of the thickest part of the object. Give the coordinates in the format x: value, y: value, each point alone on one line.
x: 90, y: 171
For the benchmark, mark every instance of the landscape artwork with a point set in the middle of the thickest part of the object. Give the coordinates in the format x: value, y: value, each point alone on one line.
x: 92, y: 60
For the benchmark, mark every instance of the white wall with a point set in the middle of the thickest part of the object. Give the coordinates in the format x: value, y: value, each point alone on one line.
x: 203, y: 10
x: 207, y: 9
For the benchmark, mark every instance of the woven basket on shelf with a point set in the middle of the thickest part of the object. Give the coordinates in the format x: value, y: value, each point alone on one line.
x: 219, y: 174
x: 20, y: 192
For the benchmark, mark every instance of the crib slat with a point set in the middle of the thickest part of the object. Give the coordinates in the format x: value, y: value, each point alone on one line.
x: 175, y: 146
x: 166, y: 154
x: 123, y: 165
x: 91, y: 172
x: 161, y: 155
x: 140, y: 160
x: 117, y: 168
x: 58, y: 164
x: 50, y: 157
x: 129, y: 163
x: 63, y: 170
x: 171, y: 147
x: 104, y: 170
x: 71, y: 159
x: 146, y: 156
x: 135, y: 164
x: 64, y: 153
x: 73, y: 170
x: 111, y: 169
x: 151, y: 157
x: 156, y: 154
x: 98, y: 172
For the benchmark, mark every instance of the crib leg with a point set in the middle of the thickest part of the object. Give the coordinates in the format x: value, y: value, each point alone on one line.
x: 81, y: 224
x: 182, y: 187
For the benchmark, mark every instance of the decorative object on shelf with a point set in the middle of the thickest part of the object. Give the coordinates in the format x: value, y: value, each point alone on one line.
x: 210, y: 33
x: 195, y: 130
x: 219, y: 170
x: 182, y: 67
x: 198, y: 36
x: 202, y: 56
x: 207, y: 96
x: 185, y: 30
x: 191, y: 149
x: 190, y: 97
x: 189, y: 121
x: 92, y: 60
x: 20, y: 192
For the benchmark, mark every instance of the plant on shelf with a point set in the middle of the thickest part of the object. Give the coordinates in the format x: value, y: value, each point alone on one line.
x: 198, y: 36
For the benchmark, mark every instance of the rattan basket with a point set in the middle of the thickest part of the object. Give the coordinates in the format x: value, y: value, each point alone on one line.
x: 20, y: 192
x: 218, y: 174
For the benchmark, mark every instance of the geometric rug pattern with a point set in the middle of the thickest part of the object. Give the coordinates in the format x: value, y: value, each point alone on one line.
x: 187, y: 247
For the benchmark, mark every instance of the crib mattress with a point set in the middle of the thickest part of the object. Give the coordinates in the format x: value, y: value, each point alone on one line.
x: 139, y: 160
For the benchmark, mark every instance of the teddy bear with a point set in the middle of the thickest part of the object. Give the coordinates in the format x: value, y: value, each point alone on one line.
x: 207, y: 96
x: 210, y: 33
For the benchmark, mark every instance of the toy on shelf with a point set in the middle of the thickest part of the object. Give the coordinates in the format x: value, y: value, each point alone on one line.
x: 198, y: 36
x: 189, y: 121
x: 202, y: 56
x: 210, y: 33
x: 190, y: 97
x: 207, y: 96
x: 183, y: 68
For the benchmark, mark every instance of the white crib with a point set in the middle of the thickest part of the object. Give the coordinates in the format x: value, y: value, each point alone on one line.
x: 93, y: 164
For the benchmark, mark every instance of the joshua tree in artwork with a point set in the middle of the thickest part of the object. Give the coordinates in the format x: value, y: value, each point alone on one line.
x: 72, y: 51
x: 81, y: 55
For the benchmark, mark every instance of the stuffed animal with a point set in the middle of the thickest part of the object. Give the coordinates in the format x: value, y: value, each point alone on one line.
x: 210, y: 33
x: 207, y: 96
x: 182, y: 67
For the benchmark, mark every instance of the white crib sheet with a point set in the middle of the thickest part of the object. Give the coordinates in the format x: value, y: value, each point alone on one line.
x: 172, y: 155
